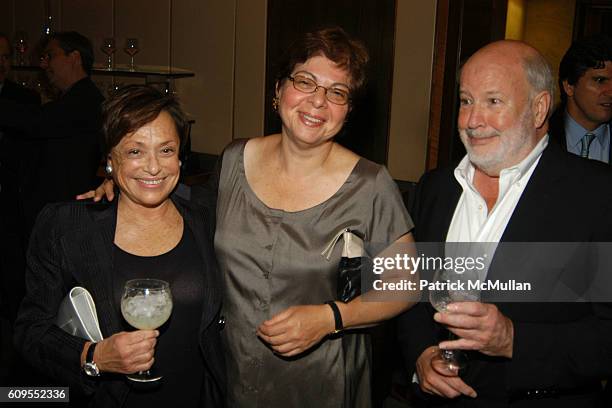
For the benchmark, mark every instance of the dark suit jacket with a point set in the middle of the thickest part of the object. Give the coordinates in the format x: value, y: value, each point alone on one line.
x: 12, y: 147
x: 12, y: 157
x: 556, y: 129
x: 66, y: 151
x: 72, y: 244
x: 19, y: 94
x: 556, y: 346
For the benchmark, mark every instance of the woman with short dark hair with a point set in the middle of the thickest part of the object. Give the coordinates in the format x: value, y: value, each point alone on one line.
x: 281, y: 200
x: 147, y: 233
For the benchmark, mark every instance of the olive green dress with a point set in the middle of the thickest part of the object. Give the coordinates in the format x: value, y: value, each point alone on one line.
x: 271, y: 260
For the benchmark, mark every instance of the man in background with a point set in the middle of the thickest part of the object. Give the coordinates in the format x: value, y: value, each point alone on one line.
x: 66, y: 131
x: 581, y: 124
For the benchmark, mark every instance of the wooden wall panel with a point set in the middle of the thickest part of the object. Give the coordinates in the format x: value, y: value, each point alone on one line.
x: 593, y: 17
x: 29, y: 18
x: 515, y: 20
x: 250, y: 63
x: 7, y: 20
x: 414, y: 42
x: 203, y: 41
x: 548, y: 27
x: 92, y: 18
x: 147, y: 20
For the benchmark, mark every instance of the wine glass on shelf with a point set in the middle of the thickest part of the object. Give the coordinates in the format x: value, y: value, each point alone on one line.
x: 21, y: 46
x: 146, y: 304
x: 453, y: 286
x: 108, y: 48
x: 131, y: 49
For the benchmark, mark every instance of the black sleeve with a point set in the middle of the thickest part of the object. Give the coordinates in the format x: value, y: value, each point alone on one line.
x: 562, y: 354
x: 19, y: 116
x: 416, y: 329
x: 43, y: 344
x: 205, y: 194
x: 565, y: 353
x: 80, y: 114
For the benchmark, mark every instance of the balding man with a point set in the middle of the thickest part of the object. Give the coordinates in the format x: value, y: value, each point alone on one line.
x: 512, y: 186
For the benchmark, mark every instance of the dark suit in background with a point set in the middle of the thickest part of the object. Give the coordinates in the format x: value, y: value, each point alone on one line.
x: 13, y: 151
x: 66, y: 136
x: 556, y: 346
x: 556, y: 129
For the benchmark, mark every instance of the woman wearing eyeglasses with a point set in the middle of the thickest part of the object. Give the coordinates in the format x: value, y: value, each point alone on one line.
x: 281, y: 199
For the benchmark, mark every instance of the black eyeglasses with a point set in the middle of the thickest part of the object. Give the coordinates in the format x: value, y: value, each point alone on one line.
x: 334, y: 94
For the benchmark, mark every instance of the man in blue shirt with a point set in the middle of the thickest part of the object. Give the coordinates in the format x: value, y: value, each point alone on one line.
x: 582, y: 121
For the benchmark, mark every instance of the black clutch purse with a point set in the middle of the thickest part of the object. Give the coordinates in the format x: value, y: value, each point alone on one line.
x: 351, y: 263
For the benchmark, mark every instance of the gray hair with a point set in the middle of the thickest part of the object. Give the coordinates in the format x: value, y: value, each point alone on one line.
x: 539, y: 75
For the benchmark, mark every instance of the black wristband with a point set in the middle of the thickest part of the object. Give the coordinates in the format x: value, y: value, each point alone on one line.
x: 90, y: 352
x: 337, y: 316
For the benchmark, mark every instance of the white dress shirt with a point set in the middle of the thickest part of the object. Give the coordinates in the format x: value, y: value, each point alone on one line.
x: 472, y: 222
x: 600, y: 146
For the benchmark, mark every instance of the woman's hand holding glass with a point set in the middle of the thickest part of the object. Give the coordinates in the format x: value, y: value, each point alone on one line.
x: 126, y: 352
x: 297, y: 329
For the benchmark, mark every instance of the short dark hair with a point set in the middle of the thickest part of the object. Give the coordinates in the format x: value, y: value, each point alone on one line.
x: 132, y: 107
x: 333, y: 43
x: 8, y: 40
x: 70, y: 41
x: 589, y: 52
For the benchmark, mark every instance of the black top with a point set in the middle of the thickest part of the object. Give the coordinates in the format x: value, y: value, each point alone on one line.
x: 72, y: 245
x: 177, y: 357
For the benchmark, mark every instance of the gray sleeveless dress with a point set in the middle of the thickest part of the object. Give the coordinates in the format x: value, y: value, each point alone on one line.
x: 271, y: 260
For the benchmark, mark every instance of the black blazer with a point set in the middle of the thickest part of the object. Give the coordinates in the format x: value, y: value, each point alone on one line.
x: 72, y: 244
x: 19, y: 94
x: 12, y: 145
x: 556, y: 129
x: 556, y: 346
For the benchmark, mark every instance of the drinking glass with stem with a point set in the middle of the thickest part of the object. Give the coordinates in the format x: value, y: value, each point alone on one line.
x: 21, y: 46
x: 146, y: 304
x: 108, y: 48
x: 453, y: 286
x: 131, y: 49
